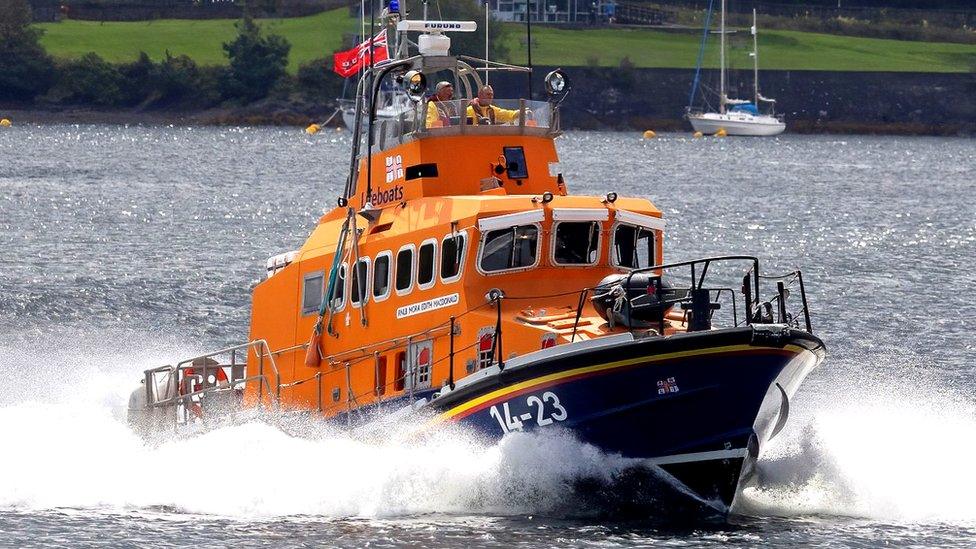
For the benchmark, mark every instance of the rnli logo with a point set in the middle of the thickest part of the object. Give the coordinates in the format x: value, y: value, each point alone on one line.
x: 394, y: 168
x: 667, y: 386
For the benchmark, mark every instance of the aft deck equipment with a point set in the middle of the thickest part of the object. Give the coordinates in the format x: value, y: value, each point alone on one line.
x: 734, y: 116
x: 458, y: 281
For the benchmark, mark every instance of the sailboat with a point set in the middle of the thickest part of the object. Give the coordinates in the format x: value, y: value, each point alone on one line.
x: 736, y: 116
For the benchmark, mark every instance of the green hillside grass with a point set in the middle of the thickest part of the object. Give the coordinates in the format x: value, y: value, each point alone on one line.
x: 310, y: 37
x: 319, y: 35
x: 787, y: 50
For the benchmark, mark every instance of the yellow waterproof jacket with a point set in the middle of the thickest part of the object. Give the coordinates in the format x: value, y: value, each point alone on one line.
x: 495, y: 115
x: 439, y: 113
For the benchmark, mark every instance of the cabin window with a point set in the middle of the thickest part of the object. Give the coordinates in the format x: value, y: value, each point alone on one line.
x: 423, y: 376
x: 633, y: 247
x: 404, y: 269
x: 360, y: 281
x: 381, y: 276
x: 511, y: 248
x: 401, y: 371
x: 452, y: 255
x: 339, y: 291
x: 577, y: 243
x: 312, y: 289
x: 425, y: 264
x: 486, y: 347
x: 380, y: 374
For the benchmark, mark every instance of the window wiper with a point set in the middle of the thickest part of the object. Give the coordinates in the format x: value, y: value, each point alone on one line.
x: 511, y: 259
x: 589, y: 243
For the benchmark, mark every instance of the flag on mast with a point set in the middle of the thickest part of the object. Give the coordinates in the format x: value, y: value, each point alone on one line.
x: 349, y: 62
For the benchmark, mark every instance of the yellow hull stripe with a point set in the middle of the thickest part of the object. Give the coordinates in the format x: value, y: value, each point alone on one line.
x: 596, y: 368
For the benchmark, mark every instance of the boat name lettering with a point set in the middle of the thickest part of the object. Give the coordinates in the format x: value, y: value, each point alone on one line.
x: 389, y: 195
x: 429, y: 305
x: 544, y: 410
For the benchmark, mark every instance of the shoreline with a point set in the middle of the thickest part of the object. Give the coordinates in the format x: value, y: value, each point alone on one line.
x: 299, y: 119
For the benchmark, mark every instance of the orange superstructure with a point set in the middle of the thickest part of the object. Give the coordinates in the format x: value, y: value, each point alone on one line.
x: 422, y: 255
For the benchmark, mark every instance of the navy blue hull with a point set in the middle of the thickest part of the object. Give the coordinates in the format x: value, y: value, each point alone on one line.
x: 699, y: 406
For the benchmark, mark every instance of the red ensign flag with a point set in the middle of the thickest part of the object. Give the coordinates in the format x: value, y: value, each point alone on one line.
x: 349, y: 62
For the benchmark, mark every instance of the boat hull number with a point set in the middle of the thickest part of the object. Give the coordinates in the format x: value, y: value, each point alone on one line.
x: 537, y: 410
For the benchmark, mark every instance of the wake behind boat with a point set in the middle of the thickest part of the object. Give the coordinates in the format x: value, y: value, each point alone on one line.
x: 458, y: 282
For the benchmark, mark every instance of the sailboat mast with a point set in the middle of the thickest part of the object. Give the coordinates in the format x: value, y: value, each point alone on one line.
x: 755, y: 59
x: 721, y: 60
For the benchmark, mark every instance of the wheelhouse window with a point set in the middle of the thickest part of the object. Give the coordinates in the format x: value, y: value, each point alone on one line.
x: 338, y: 300
x: 452, y: 255
x: 404, y: 270
x: 360, y: 281
x: 425, y: 264
x: 510, y: 248
x: 577, y: 243
x: 381, y: 276
x: 312, y: 290
x: 633, y: 246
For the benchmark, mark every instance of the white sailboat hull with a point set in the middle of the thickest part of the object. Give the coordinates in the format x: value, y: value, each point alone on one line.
x: 737, y: 124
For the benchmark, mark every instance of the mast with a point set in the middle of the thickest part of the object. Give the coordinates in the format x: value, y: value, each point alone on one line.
x: 487, y: 16
x: 701, y: 55
x: 528, y: 38
x: 755, y: 60
x: 721, y: 60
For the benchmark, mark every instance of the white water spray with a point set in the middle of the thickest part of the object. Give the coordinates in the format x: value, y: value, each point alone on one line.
x: 889, y: 450
x: 896, y: 449
x: 68, y: 446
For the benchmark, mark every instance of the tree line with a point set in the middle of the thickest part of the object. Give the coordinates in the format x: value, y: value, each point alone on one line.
x: 256, y: 68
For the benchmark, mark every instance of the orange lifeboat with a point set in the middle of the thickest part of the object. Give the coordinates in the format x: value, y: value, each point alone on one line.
x: 459, y: 275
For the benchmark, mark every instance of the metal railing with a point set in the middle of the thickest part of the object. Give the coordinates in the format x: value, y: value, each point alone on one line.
x: 187, y: 385
x: 191, y: 382
x: 697, y: 300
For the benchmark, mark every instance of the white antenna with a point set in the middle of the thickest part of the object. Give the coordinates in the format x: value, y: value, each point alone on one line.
x: 487, y: 15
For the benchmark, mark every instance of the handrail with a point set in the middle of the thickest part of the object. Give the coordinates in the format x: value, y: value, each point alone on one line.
x: 695, y: 285
x: 207, y: 390
x: 262, y: 349
x: 271, y: 389
x: 750, y: 289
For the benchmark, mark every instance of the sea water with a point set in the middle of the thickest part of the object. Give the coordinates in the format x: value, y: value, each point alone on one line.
x: 124, y: 248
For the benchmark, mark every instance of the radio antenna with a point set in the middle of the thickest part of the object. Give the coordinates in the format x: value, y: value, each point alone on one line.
x: 528, y: 37
x: 367, y: 201
x: 487, y: 15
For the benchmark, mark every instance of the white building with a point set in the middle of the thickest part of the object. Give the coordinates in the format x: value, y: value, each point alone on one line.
x: 556, y: 11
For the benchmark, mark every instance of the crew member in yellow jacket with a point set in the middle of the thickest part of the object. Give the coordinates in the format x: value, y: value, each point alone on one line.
x: 481, y: 110
x: 440, y: 107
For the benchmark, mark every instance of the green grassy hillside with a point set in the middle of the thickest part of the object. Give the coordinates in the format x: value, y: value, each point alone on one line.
x: 778, y: 50
x: 319, y: 35
x: 311, y: 37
